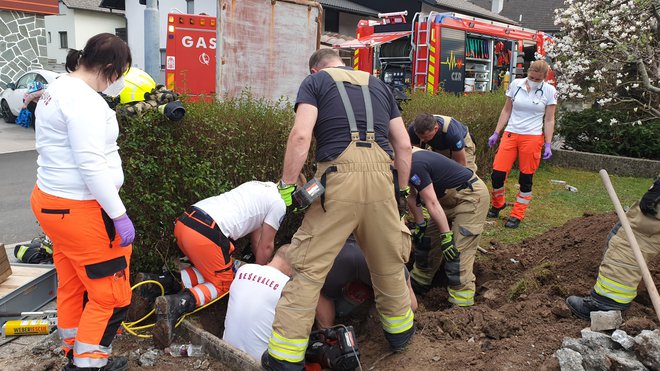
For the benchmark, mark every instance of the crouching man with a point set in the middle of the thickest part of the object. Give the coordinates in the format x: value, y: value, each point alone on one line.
x: 205, y: 233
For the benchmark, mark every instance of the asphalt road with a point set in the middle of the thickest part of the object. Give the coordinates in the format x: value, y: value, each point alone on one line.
x: 18, y: 172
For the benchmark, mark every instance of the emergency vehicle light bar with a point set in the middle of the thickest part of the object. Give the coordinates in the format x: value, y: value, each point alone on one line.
x: 392, y: 14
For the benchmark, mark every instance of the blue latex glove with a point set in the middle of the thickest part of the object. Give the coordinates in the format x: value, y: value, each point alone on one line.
x: 547, y: 151
x: 125, y: 229
x: 493, y: 139
x: 24, y: 117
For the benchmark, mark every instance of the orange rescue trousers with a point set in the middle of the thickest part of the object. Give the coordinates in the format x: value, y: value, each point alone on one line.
x: 93, y: 291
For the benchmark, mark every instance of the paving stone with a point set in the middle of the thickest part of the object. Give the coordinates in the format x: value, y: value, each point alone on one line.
x: 625, y: 340
x: 609, y: 320
x: 569, y: 360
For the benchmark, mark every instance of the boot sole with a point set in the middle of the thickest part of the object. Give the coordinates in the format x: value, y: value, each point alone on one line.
x: 162, y: 332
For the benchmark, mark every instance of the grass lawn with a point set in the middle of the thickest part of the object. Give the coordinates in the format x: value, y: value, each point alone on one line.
x: 552, y: 205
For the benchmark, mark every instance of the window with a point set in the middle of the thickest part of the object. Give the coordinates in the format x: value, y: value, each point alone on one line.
x: 64, y: 40
x: 331, y: 20
x: 50, y: 39
x: 122, y: 33
x: 163, y: 56
x: 23, y: 82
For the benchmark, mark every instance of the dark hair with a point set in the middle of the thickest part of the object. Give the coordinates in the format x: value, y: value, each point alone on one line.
x: 423, y: 123
x: 101, y: 50
x: 321, y: 57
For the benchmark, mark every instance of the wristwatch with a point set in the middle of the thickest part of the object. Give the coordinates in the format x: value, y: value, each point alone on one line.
x: 282, y: 185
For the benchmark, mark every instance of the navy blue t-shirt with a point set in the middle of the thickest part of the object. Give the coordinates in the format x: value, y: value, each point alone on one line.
x: 332, y: 131
x: 454, y: 139
x: 431, y: 167
x: 350, y: 265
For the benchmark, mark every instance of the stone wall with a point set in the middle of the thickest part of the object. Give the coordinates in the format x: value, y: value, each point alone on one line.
x: 615, y: 165
x: 22, y: 44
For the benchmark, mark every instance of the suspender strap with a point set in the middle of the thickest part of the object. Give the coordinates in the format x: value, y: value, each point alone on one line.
x: 213, y: 234
x: 350, y: 114
x: 370, y: 113
x: 330, y: 169
x: 445, y: 121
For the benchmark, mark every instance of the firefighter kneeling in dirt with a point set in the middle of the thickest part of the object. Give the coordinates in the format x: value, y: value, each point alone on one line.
x: 619, y: 273
x: 457, y: 201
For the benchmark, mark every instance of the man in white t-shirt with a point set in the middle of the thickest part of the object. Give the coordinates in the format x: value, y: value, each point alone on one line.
x: 205, y: 233
x: 253, y: 297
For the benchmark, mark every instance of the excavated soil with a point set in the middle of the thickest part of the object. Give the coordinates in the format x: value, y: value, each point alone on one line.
x: 517, y: 323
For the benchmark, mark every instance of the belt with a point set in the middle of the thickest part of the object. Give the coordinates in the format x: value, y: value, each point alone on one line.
x: 467, y: 184
x: 199, y: 214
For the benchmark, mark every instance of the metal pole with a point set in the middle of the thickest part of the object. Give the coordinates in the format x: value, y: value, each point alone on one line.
x: 151, y: 39
x: 190, y: 6
x: 219, y: 48
x: 646, y: 275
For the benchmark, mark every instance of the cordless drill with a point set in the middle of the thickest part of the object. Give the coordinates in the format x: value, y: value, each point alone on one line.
x: 334, y: 348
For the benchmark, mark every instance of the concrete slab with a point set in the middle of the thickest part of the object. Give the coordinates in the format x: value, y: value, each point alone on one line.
x: 14, y: 138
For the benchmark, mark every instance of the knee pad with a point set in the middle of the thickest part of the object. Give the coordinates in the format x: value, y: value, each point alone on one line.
x: 525, y: 181
x: 498, y: 178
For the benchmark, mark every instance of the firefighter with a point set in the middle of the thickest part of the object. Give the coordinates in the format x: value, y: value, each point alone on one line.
x: 529, y: 117
x: 619, y: 273
x: 457, y: 201
x: 76, y: 201
x: 353, y: 117
x: 445, y: 135
x: 205, y: 233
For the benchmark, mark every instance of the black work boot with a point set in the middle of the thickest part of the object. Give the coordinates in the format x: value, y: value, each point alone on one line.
x: 512, y: 222
x: 144, y: 296
x: 271, y: 363
x: 399, y: 342
x: 114, y: 364
x: 169, y: 309
x: 494, y: 212
x: 583, y: 306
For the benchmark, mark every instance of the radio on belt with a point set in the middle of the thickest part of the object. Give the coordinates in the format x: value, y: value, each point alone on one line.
x: 306, y: 194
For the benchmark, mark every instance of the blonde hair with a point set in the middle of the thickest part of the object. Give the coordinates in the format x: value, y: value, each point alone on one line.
x: 540, y: 66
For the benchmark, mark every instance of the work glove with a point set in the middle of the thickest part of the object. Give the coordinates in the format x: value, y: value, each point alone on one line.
x: 449, y: 251
x: 417, y: 231
x: 649, y: 202
x: 286, y: 191
x: 402, y: 201
x: 547, y: 151
x: 125, y: 229
x: 493, y: 139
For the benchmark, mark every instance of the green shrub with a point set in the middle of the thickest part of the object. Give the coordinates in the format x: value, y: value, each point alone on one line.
x: 594, y: 131
x: 479, y: 112
x: 168, y: 166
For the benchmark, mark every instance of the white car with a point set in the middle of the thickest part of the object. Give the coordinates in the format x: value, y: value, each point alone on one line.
x: 11, y: 99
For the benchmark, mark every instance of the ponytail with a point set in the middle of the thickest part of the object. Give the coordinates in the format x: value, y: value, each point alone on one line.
x: 73, y: 59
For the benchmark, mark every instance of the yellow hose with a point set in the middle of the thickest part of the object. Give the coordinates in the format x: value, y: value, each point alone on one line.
x: 132, y: 327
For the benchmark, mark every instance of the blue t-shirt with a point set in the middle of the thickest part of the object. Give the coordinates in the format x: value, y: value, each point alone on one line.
x: 453, y: 140
x: 431, y: 167
x: 332, y: 131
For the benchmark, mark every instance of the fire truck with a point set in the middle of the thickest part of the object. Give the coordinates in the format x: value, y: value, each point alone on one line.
x: 261, y: 46
x: 444, y: 51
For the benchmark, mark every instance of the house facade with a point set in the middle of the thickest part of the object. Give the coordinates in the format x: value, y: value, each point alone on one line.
x: 534, y: 14
x: 22, y: 37
x: 76, y: 22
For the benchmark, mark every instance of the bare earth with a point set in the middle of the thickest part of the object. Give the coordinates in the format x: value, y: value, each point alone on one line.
x: 518, y: 322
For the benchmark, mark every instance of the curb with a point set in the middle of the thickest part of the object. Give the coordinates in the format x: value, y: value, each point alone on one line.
x: 220, y: 349
x: 615, y: 165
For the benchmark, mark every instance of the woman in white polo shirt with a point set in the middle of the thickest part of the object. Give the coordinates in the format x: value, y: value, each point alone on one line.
x: 529, y: 118
x: 76, y: 201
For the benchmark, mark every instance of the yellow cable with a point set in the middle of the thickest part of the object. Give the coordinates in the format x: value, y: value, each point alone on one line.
x: 132, y: 328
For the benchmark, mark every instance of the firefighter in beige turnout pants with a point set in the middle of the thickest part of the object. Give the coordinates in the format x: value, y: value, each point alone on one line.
x: 619, y: 274
x: 457, y: 201
x: 359, y: 199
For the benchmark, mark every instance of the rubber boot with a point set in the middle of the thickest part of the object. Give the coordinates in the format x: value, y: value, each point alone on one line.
x: 271, y: 363
x: 114, y: 364
x: 421, y: 276
x: 583, y: 306
x: 512, y: 222
x: 169, y: 309
x: 399, y: 342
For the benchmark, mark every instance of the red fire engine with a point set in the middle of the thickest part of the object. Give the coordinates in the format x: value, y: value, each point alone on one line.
x: 443, y: 51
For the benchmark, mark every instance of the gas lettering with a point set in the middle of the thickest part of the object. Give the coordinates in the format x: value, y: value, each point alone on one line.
x: 200, y: 43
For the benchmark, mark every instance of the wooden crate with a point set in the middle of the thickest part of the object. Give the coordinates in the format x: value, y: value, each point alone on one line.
x: 5, y: 268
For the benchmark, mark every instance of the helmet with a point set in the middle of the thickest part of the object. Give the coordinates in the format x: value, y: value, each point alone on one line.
x: 138, y: 83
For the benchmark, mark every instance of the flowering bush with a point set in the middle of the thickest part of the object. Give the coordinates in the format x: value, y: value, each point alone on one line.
x: 609, y: 51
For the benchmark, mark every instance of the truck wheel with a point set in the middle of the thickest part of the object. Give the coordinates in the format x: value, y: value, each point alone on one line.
x: 6, y: 112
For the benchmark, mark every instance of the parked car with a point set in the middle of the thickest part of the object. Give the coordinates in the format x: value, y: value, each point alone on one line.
x: 11, y: 99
